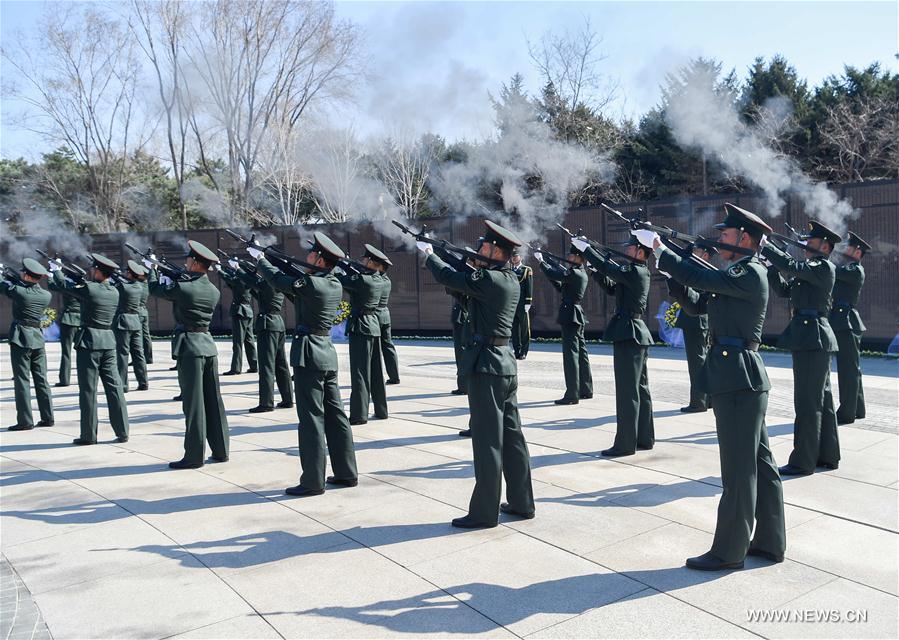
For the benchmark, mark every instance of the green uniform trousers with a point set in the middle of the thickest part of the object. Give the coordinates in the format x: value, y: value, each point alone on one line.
x: 273, y: 368
x: 815, y: 438
x: 242, y: 336
x: 633, y: 404
x: 388, y: 353
x: 322, y: 423
x: 66, y: 340
x: 204, y: 411
x: 697, y: 346
x: 458, y: 348
x: 849, y: 375
x: 752, y: 487
x: 576, y: 362
x: 521, y: 332
x: 28, y: 364
x: 130, y: 344
x: 367, y: 377
x: 146, y: 338
x: 91, y: 365
x: 499, y: 448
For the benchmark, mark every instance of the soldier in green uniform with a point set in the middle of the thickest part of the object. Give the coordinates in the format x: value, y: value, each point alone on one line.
x: 26, y: 344
x: 811, y: 340
x: 270, y: 339
x: 322, y: 421
x: 69, y: 321
x: 95, y: 348
x: 146, y: 338
x: 734, y: 376
x: 521, y: 327
x: 848, y: 327
x: 571, y: 282
x: 459, y: 320
x: 241, y: 312
x: 127, y: 327
x: 631, y: 339
x: 364, y: 331
x: 388, y: 350
x: 499, y: 446
x: 195, y: 298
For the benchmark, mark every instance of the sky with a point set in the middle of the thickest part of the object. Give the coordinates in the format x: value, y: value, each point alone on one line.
x: 432, y: 64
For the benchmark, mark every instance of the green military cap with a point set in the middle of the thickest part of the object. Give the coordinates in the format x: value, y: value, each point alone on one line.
x: 136, y: 268
x: 516, y: 252
x: 737, y: 218
x: 33, y: 267
x: 326, y: 247
x: 201, y: 252
x: 573, y: 249
x: 375, y: 254
x: 818, y: 230
x: 500, y: 236
x: 854, y: 240
x: 103, y: 263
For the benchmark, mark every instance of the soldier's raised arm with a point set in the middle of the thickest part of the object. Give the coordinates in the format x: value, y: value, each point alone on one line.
x: 814, y: 270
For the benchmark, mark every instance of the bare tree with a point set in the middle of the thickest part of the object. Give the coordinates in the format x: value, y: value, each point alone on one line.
x: 283, y: 174
x: 403, y: 165
x: 861, y: 138
x: 337, y: 167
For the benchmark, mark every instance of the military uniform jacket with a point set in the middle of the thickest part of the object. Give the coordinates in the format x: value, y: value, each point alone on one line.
x: 630, y: 283
x: 99, y: 301
x: 493, y: 296
x: 459, y: 313
x: 270, y: 300
x: 143, y: 312
x: 571, y: 283
x: 194, y: 302
x: 383, y: 311
x: 525, y: 277
x: 736, y: 304
x: 846, y: 290
x: 127, y: 316
x: 316, y: 300
x: 809, y: 286
x: 28, y: 304
x: 241, y: 295
x: 365, y: 293
x: 71, y: 307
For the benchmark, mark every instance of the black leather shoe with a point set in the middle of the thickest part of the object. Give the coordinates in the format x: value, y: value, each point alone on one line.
x: 343, y: 482
x: 842, y: 421
x: 60, y: 384
x: 524, y: 357
x: 824, y: 465
x: 300, y: 490
x: 184, y: 464
x: 122, y: 439
x: 357, y: 421
x: 45, y: 423
x: 285, y: 405
x: 21, y: 427
x: 643, y: 447
x: 261, y: 409
x: 392, y: 381
x: 231, y: 373
x: 459, y: 392
x: 177, y: 398
x: 465, y: 433
x: 219, y: 458
x: 466, y: 522
x: 377, y: 417
x: 505, y: 508
x: 790, y: 470
x: 708, y: 562
x: 616, y: 453
x: 253, y: 370
x: 586, y: 396
x: 143, y: 387
x: 567, y: 401
x: 692, y: 409
x: 175, y: 368
x: 767, y: 555
x: 81, y: 442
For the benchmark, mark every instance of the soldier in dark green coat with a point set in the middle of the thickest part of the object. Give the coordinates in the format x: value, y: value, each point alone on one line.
x: 26, y: 344
x: 127, y: 327
x: 146, y: 338
x: 322, y: 421
x: 459, y: 320
x: 364, y: 331
x: 95, y: 348
x: 808, y: 336
x: 69, y: 321
x: 195, y: 299
x: 848, y: 327
x: 388, y: 349
x: 241, y: 312
x: 499, y: 446
x: 521, y: 327
x: 571, y: 282
x: 270, y: 340
x: 629, y: 281
x: 734, y: 376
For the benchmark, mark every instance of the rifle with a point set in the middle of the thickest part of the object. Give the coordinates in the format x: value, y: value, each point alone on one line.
x: 558, y: 261
x: 351, y: 267
x: 456, y: 256
x: 167, y: 268
x: 244, y: 264
x: 71, y: 270
x: 284, y: 262
x: 12, y: 275
x: 781, y: 241
x: 606, y: 252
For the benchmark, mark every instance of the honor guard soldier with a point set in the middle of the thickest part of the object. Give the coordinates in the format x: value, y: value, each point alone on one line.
x: 241, y: 312
x: 459, y: 320
x: 848, y: 327
x: 364, y: 331
x: 571, y: 282
x: 322, y: 421
x: 146, y: 338
x: 195, y: 298
x: 26, y: 343
x: 521, y: 326
x: 95, y: 347
x: 270, y: 339
x: 499, y: 445
x: 631, y: 339
x: 388, y: 350
x: 69, y: 321
x: 808, y: 336
x: 734, y: 376
x: 127, y: 327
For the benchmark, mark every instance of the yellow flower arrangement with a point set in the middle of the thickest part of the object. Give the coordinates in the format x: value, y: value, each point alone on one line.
x: 48, y: 318
x: 343, y: 312
x: 671, y: 314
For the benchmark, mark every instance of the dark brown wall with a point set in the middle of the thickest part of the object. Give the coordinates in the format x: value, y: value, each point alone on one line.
x: 419, y: 304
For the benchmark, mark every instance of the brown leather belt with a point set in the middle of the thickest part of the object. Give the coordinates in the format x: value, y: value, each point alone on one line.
x: 491, y: 341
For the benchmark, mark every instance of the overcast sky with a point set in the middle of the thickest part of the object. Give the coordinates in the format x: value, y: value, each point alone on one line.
x: 433, y: 63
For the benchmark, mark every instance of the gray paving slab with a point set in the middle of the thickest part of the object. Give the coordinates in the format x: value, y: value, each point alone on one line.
x: 237, y: 628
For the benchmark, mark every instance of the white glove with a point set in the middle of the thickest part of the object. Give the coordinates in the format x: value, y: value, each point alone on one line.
x: 527, y: 308
x: 763, y: 241
x: 425, y: 247
x: 538, y: 256
x: 217, y: 266
x: 255, y: 253
x: 234, y: 264
x: 646, y: 237
x: 148, y: 263
x: 580, y: 243
x: 54, y: 266
x: 164, y: 280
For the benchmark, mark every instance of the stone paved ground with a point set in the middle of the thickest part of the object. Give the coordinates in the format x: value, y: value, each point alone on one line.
x: 111, y: 544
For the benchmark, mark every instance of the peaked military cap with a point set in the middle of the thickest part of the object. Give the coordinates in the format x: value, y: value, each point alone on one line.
x: 103, y: 263
x: 202, y: 252
x: 737, y: 218
x: 853, y: 240
x: 818, y: 230
x: 326, y: 247
x: 375, y: 254
x: 500, y: 236
x: 136, y: 268
x: 516, y: 252
x: 33, y: 267
x: 573, y: 249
